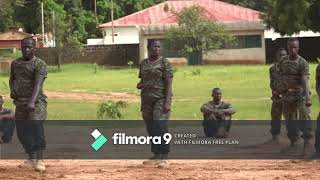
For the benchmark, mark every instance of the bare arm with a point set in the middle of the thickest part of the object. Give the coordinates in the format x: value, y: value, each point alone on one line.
x: 11, y: 83
x: 306, y: 89
x: 228, y: 111
x: 206, y: 109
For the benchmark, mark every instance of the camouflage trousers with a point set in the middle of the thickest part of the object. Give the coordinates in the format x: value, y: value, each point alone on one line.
x: 297, y: 118
x: 211, y: 126
x: 156, y: 122
x: 6, y: 130
x: 40, y: 112
x: 31, y: 135
x: 317, y: 143
x: 276, y: 114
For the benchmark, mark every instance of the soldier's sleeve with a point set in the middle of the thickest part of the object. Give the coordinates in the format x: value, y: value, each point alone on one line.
x: 205, y: 106
x: 41, y: 69
x: 168, y: 71
x: 271, y: 78
x: 305, y: 68
x: 139, y: 76
x: 318, y: 73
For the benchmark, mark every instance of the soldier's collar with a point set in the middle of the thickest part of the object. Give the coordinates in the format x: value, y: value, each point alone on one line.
x: 155, y: 60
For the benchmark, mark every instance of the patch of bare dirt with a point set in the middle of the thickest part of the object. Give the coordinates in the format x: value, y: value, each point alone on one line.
x: 178, y: 169
x: 113, y: 96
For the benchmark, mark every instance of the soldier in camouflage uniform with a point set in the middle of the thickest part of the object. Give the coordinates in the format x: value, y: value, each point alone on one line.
x: 6, y: 123
x: 156, y: 93
x: 296, y: 98
x: 26, y: 80
x: 277, y: 89
x: 217, y: 116
x: 317, y: 134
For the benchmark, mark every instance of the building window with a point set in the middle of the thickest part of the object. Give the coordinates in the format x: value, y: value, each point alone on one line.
x: 242, y: 42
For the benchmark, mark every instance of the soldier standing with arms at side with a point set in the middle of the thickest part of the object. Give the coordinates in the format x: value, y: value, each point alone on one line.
x: 277, y: 89
x: 156, y: 94
x: 296, y: 99
x: 26, y: 80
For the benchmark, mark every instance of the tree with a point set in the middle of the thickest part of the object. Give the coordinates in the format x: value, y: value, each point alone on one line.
x: 195, y: 33
x: 259, y: 5
x: 289, y: 18
x: 7, y: 14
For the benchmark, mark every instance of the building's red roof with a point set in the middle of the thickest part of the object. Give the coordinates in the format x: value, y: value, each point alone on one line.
x: 213, y: 9
x: 17, y: 36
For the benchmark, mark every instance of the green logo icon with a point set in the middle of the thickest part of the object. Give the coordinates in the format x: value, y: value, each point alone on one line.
x: 100, y: 140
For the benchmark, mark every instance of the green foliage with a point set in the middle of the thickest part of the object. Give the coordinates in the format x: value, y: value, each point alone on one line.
x: 8, y: 53
x: 95, y: 68
x: 111, y: 110
x: 259, y: 5
x: 195, y: 33
x: 74, y: 20
x: 53, y: 69
x: 195, y: 72
x: 289, y: 18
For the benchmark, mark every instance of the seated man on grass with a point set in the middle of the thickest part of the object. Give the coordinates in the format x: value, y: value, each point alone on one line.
x: 7, y: 124
x: 217, y: 116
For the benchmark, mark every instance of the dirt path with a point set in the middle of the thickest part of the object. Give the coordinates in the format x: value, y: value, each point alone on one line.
x: 122, y: 96
x: 179, y: 169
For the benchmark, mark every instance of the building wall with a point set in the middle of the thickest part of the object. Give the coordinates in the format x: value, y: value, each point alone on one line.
x: 115, y: 55
x: 123, y: 35
x: 223, y: 56
x: 143, y: 50
x: 255, y: 55
x: 16, y: 44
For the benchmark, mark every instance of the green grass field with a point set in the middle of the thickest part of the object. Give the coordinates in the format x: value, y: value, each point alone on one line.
x: 245, y: 87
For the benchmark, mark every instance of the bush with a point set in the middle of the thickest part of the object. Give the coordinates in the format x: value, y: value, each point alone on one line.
x: 111, y: 110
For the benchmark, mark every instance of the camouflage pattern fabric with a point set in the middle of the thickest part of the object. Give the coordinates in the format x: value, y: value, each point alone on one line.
x: 276, y: 85
x: 40, y: 112
x: 294, y: 99
x: 317, y: 135
x: 24, y: 74
x: 6, y: 126
x: 153, y: 76
x: 216, y: 125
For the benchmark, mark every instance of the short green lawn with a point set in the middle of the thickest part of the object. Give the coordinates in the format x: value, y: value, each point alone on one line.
x: 245, y: 87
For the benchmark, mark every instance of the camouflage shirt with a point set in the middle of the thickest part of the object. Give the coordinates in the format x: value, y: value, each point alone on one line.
x: 153, y: 76
x: 212, y: 106
x: 292, y: 72
x: 24, y: 74
x: 275, y: 78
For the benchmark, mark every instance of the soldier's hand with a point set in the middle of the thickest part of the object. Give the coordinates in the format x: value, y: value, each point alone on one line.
x: 166, y: 107
x: 31, y: 106
x: 139, y: 85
